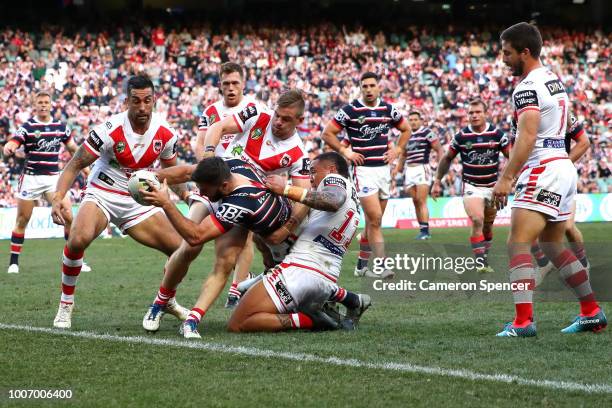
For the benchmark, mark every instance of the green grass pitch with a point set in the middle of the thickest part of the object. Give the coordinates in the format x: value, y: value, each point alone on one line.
x: 440, y: 335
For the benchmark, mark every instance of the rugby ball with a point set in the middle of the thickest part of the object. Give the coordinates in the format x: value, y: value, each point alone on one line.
x: 139, y: 181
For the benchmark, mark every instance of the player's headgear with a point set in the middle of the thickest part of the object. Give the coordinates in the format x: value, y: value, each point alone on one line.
x: 523, y: 36
x: 337, y: 160
x: 212, y: 170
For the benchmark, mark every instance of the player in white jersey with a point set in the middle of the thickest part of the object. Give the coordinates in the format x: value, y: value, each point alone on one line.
x: 267, y: 140
x: 127, y: 142
x: 231, y: 78
x: 291, y: 295
x: 545, y: 187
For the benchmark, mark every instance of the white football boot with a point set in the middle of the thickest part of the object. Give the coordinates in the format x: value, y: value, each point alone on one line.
x: 63, y: 318
x: 13, y: 268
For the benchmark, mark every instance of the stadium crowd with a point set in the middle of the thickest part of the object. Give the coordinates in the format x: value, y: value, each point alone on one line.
x: 434, y: 72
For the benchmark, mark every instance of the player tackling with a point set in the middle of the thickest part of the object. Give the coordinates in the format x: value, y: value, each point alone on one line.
x: 545, y: 187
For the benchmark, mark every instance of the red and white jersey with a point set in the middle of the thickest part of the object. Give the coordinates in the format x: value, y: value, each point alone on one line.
x: 120, y: 151
x: 219, y: 111
x: 327, y: 235
x: 541, y: 90
x: 257, y: 145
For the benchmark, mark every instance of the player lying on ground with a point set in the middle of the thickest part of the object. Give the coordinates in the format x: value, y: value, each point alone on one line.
x: 308, y: 275
x: 479, y: 146
x: 545, y: 187
x: 128, y: 141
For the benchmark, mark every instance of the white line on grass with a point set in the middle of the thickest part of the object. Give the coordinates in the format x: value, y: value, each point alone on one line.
x: 391, y: 366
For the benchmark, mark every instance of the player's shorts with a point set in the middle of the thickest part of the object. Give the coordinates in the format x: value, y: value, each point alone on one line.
x: 31, y: 187
x: 471, y: 191
x: 417, y: 175
x: 292, y: 285
x: 548, y: 188
x: 119, y: 209
x: 372, y: 180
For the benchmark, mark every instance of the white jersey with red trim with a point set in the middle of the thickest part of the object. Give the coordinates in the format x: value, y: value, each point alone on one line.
x: 120, y: 151
x: 327, y: 235
x: 219, y: 111
x: 257, y: 145
x: 541, y: 90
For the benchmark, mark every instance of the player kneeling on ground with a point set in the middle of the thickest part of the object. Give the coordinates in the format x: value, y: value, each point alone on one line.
x: 292, y: 294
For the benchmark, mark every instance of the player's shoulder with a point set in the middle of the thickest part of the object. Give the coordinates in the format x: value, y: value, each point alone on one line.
x: 163, y: 127
x: 112, y: 122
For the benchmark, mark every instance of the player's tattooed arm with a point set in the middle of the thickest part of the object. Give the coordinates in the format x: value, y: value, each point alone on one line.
x: 329, y: 198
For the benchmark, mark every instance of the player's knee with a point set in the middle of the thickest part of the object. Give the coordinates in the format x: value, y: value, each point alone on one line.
x: 374, y: 220
x: 477, y: 222
x: 77, y: 241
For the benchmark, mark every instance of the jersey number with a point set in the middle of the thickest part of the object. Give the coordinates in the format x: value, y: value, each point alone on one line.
x: 562, y: 106
x: 337, y: 234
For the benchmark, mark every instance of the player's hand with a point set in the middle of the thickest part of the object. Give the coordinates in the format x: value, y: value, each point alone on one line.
x: 436, y: 190
x: 353, y: 157
x: 276, y: 184
x: 157, y: 197
x: 390, y: 155
x: 500, y: 192
x: 58, y: 209
x: 9, y: 149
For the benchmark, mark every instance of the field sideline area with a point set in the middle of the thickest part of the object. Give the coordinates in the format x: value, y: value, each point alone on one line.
x: 404, y: 353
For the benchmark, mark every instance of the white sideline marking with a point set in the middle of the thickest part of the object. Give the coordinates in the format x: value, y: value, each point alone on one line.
x: 390, y: 366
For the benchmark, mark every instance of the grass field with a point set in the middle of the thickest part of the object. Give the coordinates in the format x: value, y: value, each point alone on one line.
x: 405, y: 353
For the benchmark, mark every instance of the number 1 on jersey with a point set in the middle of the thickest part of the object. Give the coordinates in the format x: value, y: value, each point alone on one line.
x: 337, y: 234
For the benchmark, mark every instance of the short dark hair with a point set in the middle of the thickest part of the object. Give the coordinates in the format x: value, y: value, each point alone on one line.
x: 337, y: 160
x: 229, y: 67
x: 43, y: 93
x: 478, y: 101
x: 292, y: 97
x: 212, y: 170
x: 368, y: 75
x: 415, y: 113
x: 139, y: 82
x: 523, y: 36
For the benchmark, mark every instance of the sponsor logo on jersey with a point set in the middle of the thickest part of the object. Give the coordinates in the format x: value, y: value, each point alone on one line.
x: 157, y: 146
x: 247, y: 113
x: 230, y: 213
x: 120, y: 147
x: 48, y: 145
x: 334, y: 181
x: 525, y: 98
x: 105, y: 178
x: 237, y: 150
x: 305, y: 170
x: 256, y: 133
x: 554, y: 143
x: 555, y: 87
x: 334, y: 249
x: 548, y: 197
x: 94, y: 140
x: 109, y: 125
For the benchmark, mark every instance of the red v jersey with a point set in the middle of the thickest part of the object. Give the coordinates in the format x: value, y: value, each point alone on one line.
x: 256, y: 144
x: 121, y: 151
x: 219, y: 111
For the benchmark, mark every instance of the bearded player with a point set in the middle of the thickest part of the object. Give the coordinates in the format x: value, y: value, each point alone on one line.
x: 546, y: 185
x: 128, y: 141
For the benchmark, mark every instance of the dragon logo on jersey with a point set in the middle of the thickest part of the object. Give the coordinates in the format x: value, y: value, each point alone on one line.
x: 120, y: 147
x: 157, y: 146
x: 237, y: 150
x: 256, y: 133
x: 285, y: 160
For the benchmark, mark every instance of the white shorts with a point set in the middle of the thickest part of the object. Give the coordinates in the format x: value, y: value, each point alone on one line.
x: 548, y: 188
x: 417, y: 175
x: 470, y: 191
x: 119, y: 209
x: 31, y: 187
x: 372, y: 180
x: 293, y: 285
